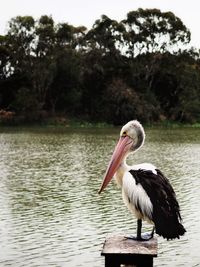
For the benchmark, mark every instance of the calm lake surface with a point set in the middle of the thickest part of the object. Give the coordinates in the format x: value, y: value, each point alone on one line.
x: 50, y: 212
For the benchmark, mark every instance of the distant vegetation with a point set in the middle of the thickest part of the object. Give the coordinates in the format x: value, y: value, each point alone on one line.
x: 140, y: 67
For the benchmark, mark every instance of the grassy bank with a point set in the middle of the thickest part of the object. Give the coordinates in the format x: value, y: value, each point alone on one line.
x: 61, y: 121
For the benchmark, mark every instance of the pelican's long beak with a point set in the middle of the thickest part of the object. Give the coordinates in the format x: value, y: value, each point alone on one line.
x: 121, y: 149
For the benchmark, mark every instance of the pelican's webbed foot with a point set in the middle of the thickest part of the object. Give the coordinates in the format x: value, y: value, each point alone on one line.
x: 140, y: 236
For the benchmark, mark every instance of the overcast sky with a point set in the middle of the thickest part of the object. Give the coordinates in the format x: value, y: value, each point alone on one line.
x: 85, y: 12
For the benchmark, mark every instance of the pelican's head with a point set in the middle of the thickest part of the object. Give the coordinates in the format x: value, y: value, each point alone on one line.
x: 131, y: 138
x: 135, y: 132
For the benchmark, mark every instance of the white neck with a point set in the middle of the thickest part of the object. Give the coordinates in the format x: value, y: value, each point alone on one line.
x: 120, y: 172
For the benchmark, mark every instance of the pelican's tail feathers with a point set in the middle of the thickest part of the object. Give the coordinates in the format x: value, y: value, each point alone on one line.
x: 169, y: 229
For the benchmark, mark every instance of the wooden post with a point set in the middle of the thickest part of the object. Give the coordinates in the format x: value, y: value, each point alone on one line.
x: 120, y: 250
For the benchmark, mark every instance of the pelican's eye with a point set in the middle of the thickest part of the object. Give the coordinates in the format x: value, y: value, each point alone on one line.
x: 124, y: 133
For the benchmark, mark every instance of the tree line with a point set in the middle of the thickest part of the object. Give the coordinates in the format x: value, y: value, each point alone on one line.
x: 141, y: 67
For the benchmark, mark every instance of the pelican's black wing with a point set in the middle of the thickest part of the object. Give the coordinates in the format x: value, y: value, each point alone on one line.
x: 166, y: 211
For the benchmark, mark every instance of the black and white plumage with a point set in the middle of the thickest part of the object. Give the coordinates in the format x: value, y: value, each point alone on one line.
x: 146, y: 192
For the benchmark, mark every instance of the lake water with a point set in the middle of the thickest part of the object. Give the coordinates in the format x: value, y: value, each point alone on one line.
x: 50, y: 212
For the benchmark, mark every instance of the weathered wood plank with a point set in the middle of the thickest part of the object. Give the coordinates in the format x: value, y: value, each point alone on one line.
x: 121, y: 245
x: 120, y: 250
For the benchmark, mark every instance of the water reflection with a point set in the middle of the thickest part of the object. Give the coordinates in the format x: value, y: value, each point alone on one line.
x: 51, y: 214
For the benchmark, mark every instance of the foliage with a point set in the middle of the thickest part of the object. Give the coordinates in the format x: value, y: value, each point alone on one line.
x: 140, y: 67
x: 154, y: 31
x: 123, y: 103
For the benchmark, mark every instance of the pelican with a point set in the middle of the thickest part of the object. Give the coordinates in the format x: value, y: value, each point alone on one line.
x: 146, y: 192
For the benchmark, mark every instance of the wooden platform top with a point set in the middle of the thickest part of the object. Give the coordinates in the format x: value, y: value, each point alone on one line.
x: 118, y: 245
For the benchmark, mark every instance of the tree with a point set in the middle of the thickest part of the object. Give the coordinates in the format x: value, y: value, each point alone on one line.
x: 68, y: 36
x: 21, y: 43
x: 16, y: 47
x: 105, y: 35
x: 150, y: 30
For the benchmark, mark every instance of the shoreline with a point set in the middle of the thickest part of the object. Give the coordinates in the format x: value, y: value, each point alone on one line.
x: 62, y: 122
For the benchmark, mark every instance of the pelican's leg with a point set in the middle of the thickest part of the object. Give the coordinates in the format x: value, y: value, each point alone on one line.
x: 140, y: 236
x: 139, y: 229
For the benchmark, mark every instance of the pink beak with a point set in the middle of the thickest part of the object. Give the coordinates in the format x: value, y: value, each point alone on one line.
x: 121, y: 149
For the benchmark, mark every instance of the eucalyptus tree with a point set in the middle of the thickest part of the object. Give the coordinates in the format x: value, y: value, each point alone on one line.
x: 36, y: 48
x: 21, y: 43
x: 30, y: 46
x: 151, y: 38
x: 101, y: 50
x: 150, y: 30
x: 68, y: 36
x: 65, y: 91
x: 106, y: 35
x: 44, y: 67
